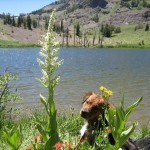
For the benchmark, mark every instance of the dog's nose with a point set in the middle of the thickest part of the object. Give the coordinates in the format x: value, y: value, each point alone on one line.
x: 83, y: 113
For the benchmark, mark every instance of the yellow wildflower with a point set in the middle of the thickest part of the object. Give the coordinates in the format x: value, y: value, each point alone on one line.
x: 101, y: 88
x: 106, y: 92
x: 109, y: 93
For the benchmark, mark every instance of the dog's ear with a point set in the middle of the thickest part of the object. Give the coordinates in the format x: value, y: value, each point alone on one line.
x: 104, y: 103
x: 108, y: 104
x: 86, y: 96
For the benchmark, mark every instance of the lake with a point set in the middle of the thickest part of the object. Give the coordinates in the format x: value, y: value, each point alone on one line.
x: 124, y: 71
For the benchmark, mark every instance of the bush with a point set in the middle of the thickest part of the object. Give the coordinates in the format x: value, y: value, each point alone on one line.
x: 107, y: 31
x: 117, y: 30
x: 7, y: 96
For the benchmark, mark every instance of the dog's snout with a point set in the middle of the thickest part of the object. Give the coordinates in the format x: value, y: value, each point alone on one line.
x: 83, y: 113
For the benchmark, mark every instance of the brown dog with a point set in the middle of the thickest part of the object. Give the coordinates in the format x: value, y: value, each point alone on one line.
x: 93, y: 106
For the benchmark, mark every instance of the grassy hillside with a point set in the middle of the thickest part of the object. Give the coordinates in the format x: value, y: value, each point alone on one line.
x: 90, y: 15
x: 129, y: 38
x: 18, y: 37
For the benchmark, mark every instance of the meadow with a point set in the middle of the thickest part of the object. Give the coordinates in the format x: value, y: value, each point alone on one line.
x: 69, y: 126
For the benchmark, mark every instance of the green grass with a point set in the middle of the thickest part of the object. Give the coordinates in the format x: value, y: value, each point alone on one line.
x: 68, y: 126
x: 13, y: 44
x: 128, y: 38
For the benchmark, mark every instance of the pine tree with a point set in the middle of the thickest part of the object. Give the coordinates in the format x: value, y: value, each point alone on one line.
x: 46, y: 23
x: 29, y: 22
x: 94, y: 39
x: 13, y: 21
x: 78, y: 29
x: 67, y: 35
x: 144, y: 3
x: 25, y: 23
x: 62, y: 25
x: 8, y: 19
x: 34, y: 24
x: 147, y: 27
x: 19, y: 22
x: 74, y: 35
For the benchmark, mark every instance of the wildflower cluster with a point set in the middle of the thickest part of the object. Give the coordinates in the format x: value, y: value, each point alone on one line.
x: 38, y: 143
x: 59, y: 146
x: 105, y: 92
x: 38, y: 138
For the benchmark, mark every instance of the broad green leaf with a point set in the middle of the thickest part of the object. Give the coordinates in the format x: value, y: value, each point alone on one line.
x: 42, y: 131
x: 119, y: 120
x: 131, y: 108
x: 110, y: 147
x: 126, y: 134
x: 110, y: 115
x: 44, y: 102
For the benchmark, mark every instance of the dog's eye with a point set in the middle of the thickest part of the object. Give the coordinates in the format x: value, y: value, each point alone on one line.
x: 87, y: 102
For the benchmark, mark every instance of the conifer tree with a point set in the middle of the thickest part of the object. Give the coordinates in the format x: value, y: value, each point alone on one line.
x: 78, y: 29
x: 19, y: 22
x: 34, y: 24
x: 13, y: 21
x: 62, y: 25
x: 67, y: 36
x: 25, y: 23
x: 147, y: 27
x: 46, y: 23
x: 29, y: 22
x: 74, y: 35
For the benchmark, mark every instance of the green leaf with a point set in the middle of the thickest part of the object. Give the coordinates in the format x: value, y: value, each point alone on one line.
x: 119, y: 121
x: 111, y: 112
x: 126, y: 134
x: 44, y: 102
x: 42, y: 131
x: 13, y: 137
x: 110, y: 147
x: 132, y: 107
x: 52, y: 141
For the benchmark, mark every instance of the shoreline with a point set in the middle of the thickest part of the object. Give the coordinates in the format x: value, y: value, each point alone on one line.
x: 17, y: 44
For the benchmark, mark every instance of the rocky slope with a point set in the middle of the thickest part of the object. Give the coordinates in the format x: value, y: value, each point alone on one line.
x: 83, y: 11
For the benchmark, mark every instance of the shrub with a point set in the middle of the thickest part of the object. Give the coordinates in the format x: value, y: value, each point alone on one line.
x: 117, y: 30
x: 6, y: 96
x: 107, y: 31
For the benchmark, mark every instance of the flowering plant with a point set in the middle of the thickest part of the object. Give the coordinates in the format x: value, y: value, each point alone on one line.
x: 105, y: 92
x: 117, y: 118
x: 49, y: 63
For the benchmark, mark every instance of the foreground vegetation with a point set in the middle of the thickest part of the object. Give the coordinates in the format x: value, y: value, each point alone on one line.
x: 68, y: 128
x: 50, y: 130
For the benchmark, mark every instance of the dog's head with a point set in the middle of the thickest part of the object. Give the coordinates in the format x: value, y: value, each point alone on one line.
x: 92, y: 106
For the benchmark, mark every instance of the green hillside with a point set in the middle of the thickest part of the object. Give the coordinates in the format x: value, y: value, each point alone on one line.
x: 131, y: 16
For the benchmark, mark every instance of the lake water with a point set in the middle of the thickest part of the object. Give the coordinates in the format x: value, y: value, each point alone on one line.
x: 124, y: 71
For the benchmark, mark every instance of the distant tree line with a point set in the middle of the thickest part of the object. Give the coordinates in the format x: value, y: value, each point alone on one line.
x: 141, y: 26
x: 135, y: 3
x: 20, y: 21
